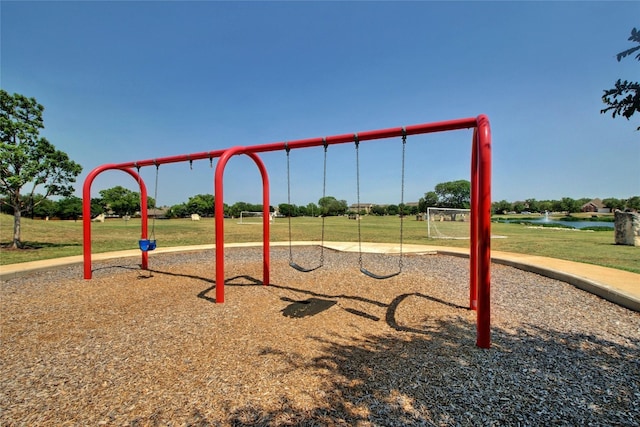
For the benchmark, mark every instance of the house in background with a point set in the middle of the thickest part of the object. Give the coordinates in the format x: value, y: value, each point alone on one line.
x: 366, y: 207
x: 596, y: 206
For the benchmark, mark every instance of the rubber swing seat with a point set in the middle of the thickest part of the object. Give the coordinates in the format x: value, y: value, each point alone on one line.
x: 147, y: 245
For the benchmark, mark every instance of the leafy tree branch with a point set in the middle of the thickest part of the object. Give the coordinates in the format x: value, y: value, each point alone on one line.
x: 624, y: 98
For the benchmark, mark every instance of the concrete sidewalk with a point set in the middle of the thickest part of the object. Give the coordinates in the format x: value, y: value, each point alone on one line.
x: 618, y: 286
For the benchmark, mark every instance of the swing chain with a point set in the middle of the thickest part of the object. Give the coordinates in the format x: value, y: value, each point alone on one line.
x: 324, y: 186
x: 357, y: 142
x: 324, y: 193
x: 287, y: 149
x: 137, y: 166
x: 155, y: 202
x: 404, y: 146
x: 400, y: 261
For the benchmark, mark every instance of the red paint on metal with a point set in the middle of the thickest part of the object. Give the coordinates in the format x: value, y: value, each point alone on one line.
x: 480, y: 244
x: 219, y: 216
x: 172, y: 159
x: 86, y: 214
x: 483, y: 213
x: 473, y: 246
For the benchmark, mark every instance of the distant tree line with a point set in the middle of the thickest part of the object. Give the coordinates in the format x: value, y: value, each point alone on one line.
x: 327, y: 206
x: 119, y: 201
x: 566, y: 204
x: 37, y: 206
x: 457, y: 194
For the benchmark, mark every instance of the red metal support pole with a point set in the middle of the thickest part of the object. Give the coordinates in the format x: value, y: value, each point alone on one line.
x: 219, y: 216
x: 484, y: 233
x: 218, y: 197
x: 266, y: 224
x: 473, y: 244
x: 144, y: 217
x: 86, y: 213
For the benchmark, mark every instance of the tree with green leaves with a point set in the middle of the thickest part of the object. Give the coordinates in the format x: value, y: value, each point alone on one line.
x: 454, y: 194
x: 98, y: 206
x: 331, y: 206
x: 378, y: 210
x: 430, y: 199
x: 27, y: 160
x: 545, y: 206
x: 122, y: 201
x: 44, y: 207
x: 501, y: 207
x: 518, y: 206
x: 532, y: 205
x: 70, y: 207
x: 569, y: 205
x: 201, y: 204
x: 392, y: 210
x: 288, y: 209
x: 177, y: 211
x: 312, y: 209
x: 633, y: 203
x: 239, y: 207
x: 624, y: 98
x: 614, y: 203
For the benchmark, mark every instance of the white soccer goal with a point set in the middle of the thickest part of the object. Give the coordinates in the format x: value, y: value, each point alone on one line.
x: 248, y: 217
x: 448, y: 223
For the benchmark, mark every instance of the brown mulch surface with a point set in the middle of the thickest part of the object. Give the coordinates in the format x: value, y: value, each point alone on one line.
x: 330, y: 347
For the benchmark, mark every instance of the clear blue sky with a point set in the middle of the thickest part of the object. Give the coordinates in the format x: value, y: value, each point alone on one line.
x: 126, y: 81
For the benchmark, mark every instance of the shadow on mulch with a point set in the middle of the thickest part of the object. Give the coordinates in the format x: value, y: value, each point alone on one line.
x: 306, y: 308
x: 317, y: 302
x: 436, y: 375
x: 441, y: 379
x: 36, y: 245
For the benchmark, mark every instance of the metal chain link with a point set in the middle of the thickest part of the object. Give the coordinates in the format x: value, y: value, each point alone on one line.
x: 155, y: 201
x: 324, y: 193
x: 358, y: 199
x: 404, y: 145
x: 287, y: 149
x: 324, y: 187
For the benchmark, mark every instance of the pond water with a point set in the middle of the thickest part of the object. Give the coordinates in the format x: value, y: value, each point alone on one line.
x: 574, y: 224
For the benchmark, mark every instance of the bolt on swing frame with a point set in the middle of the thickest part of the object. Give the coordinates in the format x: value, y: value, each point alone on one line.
x: 480, y: 226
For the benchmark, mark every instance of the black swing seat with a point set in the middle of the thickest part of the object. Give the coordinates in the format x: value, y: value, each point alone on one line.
x: 377, y: 276
x: 302, y: 269
x: 147, y: 245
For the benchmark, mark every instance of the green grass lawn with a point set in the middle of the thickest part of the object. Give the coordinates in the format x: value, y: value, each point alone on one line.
x: 53, y: 239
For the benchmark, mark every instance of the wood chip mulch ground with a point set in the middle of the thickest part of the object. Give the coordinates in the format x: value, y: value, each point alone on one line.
x: 328, y: 348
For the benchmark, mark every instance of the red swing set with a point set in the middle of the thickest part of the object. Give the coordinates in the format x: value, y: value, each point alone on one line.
x: 480, y: 224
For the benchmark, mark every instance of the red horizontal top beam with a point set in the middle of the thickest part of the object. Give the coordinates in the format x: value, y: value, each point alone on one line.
x: 172, y: 159
x: 367, y: 135
x: 314, y: 142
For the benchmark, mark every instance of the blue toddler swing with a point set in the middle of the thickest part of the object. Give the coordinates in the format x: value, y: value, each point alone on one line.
x: 150, y: 244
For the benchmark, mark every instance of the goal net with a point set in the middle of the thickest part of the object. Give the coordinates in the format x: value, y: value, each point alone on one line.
x: 448, y: 223
x: 248, y: 217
